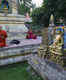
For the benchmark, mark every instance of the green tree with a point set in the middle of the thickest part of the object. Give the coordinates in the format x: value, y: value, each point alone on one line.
x: 25, y: 6
x: 55, y: 7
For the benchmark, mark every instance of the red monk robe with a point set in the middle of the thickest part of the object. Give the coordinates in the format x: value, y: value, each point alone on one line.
x: 3, y: 36
x: 30, y: 35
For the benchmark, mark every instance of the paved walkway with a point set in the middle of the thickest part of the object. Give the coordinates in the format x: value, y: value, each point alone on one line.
x: 47, y: 69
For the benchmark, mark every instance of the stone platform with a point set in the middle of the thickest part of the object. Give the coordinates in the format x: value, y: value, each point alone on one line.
x: 13, y: 22
x: 8, y: 54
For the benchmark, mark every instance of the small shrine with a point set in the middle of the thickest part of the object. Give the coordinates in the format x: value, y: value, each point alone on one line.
x: 4, y: 4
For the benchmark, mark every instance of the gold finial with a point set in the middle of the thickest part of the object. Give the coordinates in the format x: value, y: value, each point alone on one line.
x: 51, y: 17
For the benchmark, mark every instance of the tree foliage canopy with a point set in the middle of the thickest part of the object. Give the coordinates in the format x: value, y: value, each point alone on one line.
x: 56, y: 7
x: 25, y: 6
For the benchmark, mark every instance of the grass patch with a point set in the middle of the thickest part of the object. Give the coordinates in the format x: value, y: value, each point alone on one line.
x: 17, y: 72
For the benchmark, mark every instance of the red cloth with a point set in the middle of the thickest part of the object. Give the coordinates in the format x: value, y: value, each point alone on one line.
x: 3, y: 36
x: 31, y: 35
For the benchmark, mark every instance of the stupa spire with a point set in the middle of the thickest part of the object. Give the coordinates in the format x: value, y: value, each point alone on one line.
x: 51, y: 20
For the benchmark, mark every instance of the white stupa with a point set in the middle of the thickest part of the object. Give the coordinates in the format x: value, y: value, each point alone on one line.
x: 14, y: 21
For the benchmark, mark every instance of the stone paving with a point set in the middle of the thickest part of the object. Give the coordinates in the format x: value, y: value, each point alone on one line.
x: 48, y: 70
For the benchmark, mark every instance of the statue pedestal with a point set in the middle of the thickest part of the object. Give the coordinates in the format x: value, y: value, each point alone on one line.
x: 13, y: 23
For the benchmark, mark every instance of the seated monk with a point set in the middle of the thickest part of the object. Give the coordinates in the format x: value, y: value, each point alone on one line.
x: 30, y: 35
x: 3, y: 36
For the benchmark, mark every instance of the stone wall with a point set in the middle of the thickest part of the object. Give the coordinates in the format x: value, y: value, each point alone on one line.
x: 17, y: 50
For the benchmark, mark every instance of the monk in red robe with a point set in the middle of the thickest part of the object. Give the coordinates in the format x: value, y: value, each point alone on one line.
x: 30, y: 35
x: 3, y: 36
